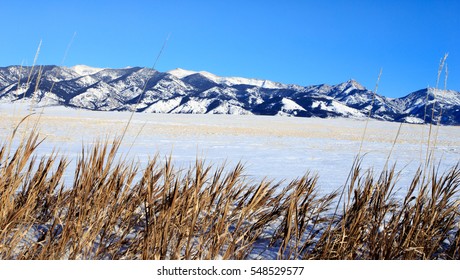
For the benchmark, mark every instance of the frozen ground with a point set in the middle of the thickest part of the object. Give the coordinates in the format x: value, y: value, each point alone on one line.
x: 279, y: 148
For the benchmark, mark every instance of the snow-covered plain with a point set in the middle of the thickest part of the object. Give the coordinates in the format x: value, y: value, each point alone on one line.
x: 278, y: 148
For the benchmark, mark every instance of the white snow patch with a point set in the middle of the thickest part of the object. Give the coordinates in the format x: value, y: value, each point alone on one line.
x: 343, y: 109
x: 289, y: 105
x: 413, y: 120
x: 446, y: 96
x: 164, y: 106
x: 192, y: 107
x: 182, y: 73
x: 316, y: 104
x: 337, y: 107
x: 85, y: 70
x: 231, y: 109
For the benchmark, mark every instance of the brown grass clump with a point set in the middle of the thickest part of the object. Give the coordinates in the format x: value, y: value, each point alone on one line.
x: 374, y: 225
x: 114, y: 209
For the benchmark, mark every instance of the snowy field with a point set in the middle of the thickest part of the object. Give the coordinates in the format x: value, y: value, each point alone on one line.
x: 278, y: 148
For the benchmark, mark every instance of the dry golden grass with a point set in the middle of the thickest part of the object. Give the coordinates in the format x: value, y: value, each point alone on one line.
x: 115, y: 210
x: 374, y: 225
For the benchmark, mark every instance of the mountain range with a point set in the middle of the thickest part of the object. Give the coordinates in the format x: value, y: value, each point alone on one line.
x: 182, y: 91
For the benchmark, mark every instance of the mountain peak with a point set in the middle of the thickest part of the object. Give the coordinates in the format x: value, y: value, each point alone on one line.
x: 355, y: 84
x: 85, y: 70
x: 349, y: 86
x: 449, y: 96
x: 181, y: 73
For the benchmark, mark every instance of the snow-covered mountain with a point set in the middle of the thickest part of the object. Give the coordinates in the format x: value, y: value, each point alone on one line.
x: 441, y: 106
x: 192, y: 92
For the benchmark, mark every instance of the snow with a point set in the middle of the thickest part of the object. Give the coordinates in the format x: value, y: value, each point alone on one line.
x: 447, y: 96
x: 337, y: 107
x: 316, y: 104
x: 343, y: 109
x: 418, y: 99
x: 85, y: 70
x: 278, y: 148
x: 46, y: 98
x: 181, y: 73
x: 289, y: 105
x: 272, y: 148
x: 95, y: 97
x: 229, y: 81
x: 86, y: 81
x: 350, y: 85
x: 192, y: 107
x: 228, y: 108
x: 164, y: 106
x: 413, y: 120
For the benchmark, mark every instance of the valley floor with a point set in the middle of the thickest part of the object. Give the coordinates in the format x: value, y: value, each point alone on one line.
x: 279, y: 148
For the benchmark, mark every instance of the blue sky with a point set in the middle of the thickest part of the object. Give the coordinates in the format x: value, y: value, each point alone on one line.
x: 299, y: 42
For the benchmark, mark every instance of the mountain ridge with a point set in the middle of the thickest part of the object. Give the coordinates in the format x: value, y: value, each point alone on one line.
x: 200, y: 92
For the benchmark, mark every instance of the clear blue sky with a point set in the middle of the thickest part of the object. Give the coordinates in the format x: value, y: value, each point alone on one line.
x: 299, y: 42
